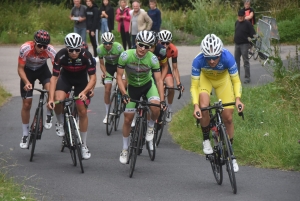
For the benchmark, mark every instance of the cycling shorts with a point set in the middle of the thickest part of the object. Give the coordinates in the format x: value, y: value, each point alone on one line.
x: 223, y: 88
x: 149, y: 90
x: 42, y: 74
x: 110, y: 71
x: 65, y: 84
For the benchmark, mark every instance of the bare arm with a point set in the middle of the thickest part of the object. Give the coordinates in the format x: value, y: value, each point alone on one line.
x: 164, y: 70
x: 159, y: 84
x: 102, y: 68
x: 176, y: 73
x: 22, y: 74
x: 121, y: 85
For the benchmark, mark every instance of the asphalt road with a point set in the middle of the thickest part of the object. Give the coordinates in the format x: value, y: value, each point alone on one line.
x: 174, y: 175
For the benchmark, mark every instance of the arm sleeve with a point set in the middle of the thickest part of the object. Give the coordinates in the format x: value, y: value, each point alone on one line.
x: 195, y: 89
x: 237, y: 86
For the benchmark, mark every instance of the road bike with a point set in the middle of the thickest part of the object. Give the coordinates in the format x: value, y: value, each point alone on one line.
x: 36, y: 128
x: 116, y: 108
x: 256, y: 42
x: 72, y: 139
x: 161, y: 122
x: 137, y: 136
x: 222, y: 149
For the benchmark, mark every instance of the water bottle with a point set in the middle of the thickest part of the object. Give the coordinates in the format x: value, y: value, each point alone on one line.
x: 215, y: 134
x: 119, y: 97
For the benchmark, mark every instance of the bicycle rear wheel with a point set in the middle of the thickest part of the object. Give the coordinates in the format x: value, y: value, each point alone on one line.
x: 35, y: 128
x: 76, y: 142
x: 161, y: 129
x: 228, y: 153
x: 257, y: 49
x: 216, y: 166
x: 135, y: 145
x: 111, y: 116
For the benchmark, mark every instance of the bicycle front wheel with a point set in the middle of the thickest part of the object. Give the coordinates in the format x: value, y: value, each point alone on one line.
x: 111, y: 116
x: 119, y: 110
x: 35, y: 128
x: 160, y: 127
x: 76, y: 142
x: 228, y: 153
x: 67, y: 141
x: 135, y: 145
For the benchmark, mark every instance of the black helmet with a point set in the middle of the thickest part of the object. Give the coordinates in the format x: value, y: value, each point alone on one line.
x: 42, y: 36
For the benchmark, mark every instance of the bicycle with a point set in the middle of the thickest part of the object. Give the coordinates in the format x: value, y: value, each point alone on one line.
x: 161, y: 122
x: 137, y: 137
x: 222, y: 150
x: 256, y: 42
x: 36, y: 128
x: 72, y: 138
x: 116, y: 108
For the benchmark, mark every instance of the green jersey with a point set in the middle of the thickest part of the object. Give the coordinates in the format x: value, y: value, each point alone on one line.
x: 138, y: 70
x: 111, y: 56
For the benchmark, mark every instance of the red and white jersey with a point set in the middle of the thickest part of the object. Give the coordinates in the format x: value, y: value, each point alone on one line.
x: 31, y: 59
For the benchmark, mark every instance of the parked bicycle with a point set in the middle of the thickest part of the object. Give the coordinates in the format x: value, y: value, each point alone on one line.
x: 222, y: 150
x: 137, y: 136
x: 72, y: 138
x: 161, y: 122
x: 256, y: 42
x: 36, y: 128
x: 116, y: 108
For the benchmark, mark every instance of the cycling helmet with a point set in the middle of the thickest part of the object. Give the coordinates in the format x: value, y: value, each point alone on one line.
x: 155, y: 35
x: 165, y: 36
x: 211, y: 45
x: 73, y: 40
x: 108, y: 37
x: 146, y: 37
x: 42, y: 36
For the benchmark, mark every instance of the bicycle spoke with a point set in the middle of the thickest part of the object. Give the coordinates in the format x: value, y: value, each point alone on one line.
x: 111, y: 115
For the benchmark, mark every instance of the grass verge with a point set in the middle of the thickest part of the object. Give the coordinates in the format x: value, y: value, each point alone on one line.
x: 267, y: 138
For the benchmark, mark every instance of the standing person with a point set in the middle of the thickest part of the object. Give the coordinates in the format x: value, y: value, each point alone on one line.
x: 215, y: 68
x: 110, y: 51
x: 32, y: 65
x: 78, y: 15
x: 107, y: 17
x: 72, y: 64
x: 243, y: 30
x: 123, y: 18
x: 140, y: 21
x: 92, y: 19
x: 165, y: 38
x: 155, y: 14
x: 249, y: 12
x: 139, y: 64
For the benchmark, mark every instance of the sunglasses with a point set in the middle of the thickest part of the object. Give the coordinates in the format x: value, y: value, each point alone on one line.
x: 106, y: 43
x: 39, y: 45
x: 165, y: 43
x: 212, y: 58
x: 144, y: 45
x: 71, y: 50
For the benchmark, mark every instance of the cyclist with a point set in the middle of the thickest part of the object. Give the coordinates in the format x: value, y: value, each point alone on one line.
x: 139, y: 64
x: 32, y: 65
x: 216, y: 68
x: 71, y: 67
x: 165, y: 38
x: 110, y: 51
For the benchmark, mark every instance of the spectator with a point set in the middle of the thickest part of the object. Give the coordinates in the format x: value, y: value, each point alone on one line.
x: 107, y: 17
x: 123, y: 18
x: 78, y: 14
x: 92, y: 19
x: 155, y: 14
x: 249, y: 12
x: 140, y: 21
x: 243, y: 30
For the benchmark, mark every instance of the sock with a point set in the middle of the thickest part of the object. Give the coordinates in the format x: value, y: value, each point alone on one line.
x: 231, y: 140
x: 205, y: 131
x: 60, y: 118
x: 170, y: 107
x: 25, y: 128
x: 106, y: 108
x: 49, y: 112
x: 83, y: 138
x: 151, y: 123
x: 125, y: 143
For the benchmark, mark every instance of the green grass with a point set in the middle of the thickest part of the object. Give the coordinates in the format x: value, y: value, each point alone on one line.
x: 268, y: 137
x: 4, y: 96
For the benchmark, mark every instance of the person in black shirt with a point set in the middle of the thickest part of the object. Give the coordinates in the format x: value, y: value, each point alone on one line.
x: 71, y: 67
x: 243, y: 30
x: 92, y: 21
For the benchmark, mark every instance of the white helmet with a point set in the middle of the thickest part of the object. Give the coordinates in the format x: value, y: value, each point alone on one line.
x: 165, y: 36
x: 211, y: 45
x: 146, y: 37
x: 107, y: 37
x: 73, y: 40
